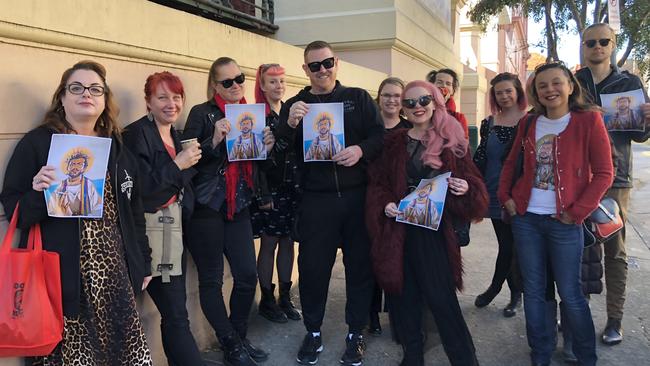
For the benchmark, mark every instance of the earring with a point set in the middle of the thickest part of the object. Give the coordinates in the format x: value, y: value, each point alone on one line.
x: 150, y: 116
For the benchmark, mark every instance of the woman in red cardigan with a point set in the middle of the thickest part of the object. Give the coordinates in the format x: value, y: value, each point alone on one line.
x: 567, y: 168
x: 412, y: 264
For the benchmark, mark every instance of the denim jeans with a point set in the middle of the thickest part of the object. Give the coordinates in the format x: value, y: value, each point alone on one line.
x: 541, y: 239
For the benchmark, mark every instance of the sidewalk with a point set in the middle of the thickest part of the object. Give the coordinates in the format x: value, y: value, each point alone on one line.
x: 499, y: 341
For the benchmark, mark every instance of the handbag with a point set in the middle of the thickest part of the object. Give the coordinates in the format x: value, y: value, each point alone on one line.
x: 31, y: 310
x: 165, y: 233
x: 602, y: 223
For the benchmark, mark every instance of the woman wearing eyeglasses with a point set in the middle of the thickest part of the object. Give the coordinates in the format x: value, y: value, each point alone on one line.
x: 508, y: 104
x: 273, y: 213
x: 104, y: 262
x: 567, y: 168
x: 167, y: 171
x: 389, y: 100
x: 415, y: 265
x: 221, y: 224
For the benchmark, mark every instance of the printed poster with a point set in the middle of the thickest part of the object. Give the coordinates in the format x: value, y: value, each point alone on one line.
x: 80, y: 167
x: 423, y: 207
x: 623, y: 111
x: 246, y: 138
x: 323, y: 131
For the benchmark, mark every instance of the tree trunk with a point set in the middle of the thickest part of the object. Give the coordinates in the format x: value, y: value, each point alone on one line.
x: 551, y: 35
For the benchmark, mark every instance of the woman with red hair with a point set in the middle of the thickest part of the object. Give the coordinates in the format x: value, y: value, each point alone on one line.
x: 167, y: 169
x: 415, y: 265
x: 272, y: 216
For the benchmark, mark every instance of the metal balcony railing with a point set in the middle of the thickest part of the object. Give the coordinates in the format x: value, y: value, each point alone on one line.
x: 253, y: 15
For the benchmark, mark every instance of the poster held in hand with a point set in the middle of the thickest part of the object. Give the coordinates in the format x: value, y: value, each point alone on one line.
x: 80, y: 164
x: 424, y: 206
x: 623, y: 111
x: 245, y: 141
x: 323, y: 130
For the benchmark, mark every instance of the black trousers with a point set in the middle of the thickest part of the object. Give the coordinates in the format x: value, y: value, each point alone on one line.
x: 327, y: 222
x: 210, y: 237
x: 177, y: 339
x: 507, y: 266
x: 428, y: 279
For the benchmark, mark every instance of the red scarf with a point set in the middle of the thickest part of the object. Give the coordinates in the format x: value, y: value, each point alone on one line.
x: 234, y: 170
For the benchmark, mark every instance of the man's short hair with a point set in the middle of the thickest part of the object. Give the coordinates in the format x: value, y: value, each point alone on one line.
x: 431, y: 77
x: 612, y: 34
x: 78, y: 155
x: 317, y: 45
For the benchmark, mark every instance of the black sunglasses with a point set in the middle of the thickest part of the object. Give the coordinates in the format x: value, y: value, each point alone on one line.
x: 327, y: 63
x: 239, y: 79
x: 591, y: 43
x: 412, y: 103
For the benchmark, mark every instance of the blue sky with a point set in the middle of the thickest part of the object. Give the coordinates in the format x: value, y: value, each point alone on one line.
x: 568, y: 48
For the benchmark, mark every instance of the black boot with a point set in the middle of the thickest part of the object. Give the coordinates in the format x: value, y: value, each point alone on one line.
x: 269, y: 307
x: 234, y: 353
x: 486, y: 298
x: 511, y: 309
x: 285, y: 302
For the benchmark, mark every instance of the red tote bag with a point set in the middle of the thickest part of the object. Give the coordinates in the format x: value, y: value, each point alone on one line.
x: 31, y: 312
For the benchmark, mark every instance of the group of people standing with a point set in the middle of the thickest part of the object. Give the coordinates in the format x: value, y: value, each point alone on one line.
x: 410, y: 132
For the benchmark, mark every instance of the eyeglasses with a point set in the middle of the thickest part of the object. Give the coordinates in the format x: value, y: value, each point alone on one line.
x: 389, y: 96
x: 591, y: 43
x: 78, y: 89
x: 327, y: 63
x: 228, y: 83
x: 552, y: 65
x: 412, y: 103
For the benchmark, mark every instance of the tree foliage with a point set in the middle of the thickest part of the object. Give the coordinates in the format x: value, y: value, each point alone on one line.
x: 576, y: 15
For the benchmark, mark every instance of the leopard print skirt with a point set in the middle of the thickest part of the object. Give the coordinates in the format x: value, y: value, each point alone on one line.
x: 107, y: 331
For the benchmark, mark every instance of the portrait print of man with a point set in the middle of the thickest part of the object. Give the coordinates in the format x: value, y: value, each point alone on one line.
x: 325, y: 145
x: 76, y: 195
x: 246, y: 145
x: 625, y: 118
x: 422, y: 210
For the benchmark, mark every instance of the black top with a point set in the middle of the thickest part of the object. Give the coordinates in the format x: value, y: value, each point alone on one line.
x: 403, y: 123
x: 363, y: 127
x: 617, y: 81
x: 62, y: 235
x: 161, y: 177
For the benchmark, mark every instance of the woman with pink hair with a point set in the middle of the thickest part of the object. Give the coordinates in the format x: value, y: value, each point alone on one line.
x: 272, y: 216
x: 416, y: 265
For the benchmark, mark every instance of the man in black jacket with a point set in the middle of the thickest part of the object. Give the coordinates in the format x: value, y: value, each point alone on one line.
x: 331, y: 214
x: 598, y: 78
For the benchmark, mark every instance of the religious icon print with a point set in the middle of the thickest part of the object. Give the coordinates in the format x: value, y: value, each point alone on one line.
x: 622, y: 111
x: 80, y: 163
x: 424, y: 206
x: 246, y: 138
x: 323, y: 131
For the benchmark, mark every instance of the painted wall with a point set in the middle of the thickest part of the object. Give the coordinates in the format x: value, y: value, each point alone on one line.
x: 132, y: 39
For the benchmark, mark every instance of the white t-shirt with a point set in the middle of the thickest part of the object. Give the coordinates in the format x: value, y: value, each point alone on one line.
x: 542, y: 197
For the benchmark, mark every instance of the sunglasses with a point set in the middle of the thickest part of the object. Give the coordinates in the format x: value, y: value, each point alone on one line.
x: 327, y: 63
x: 591, y: 43
x: 228, y: 83
x: 412, y: 103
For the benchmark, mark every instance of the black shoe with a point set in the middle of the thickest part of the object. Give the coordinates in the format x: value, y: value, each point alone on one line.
x: 269, y: 308
x: 511, y: 309
x: 354, y: 348
x: 256, y: 354
x: 309, y: 350
x: 234, y: 353
x: 613, y: 333
x: 374, y: 328
x: 485, y: 298
x: 285, y: 302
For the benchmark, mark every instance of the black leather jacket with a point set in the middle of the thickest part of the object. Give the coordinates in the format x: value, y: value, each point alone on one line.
x: 62, y: 235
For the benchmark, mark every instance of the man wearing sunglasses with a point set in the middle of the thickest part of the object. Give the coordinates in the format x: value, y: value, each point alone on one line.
x: 331, y: 214
x: 601, y: 77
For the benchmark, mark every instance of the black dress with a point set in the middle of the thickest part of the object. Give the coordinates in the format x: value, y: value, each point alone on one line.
x: 282, y: 186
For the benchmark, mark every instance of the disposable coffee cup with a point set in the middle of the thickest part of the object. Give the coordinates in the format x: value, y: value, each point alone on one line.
x: 188, y: 142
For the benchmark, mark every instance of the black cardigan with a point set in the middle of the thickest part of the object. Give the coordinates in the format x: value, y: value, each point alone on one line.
x: 62, y: 235
x: 161, y: 177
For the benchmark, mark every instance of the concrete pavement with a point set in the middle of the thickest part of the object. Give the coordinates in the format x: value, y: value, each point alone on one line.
x: 499, y: 341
